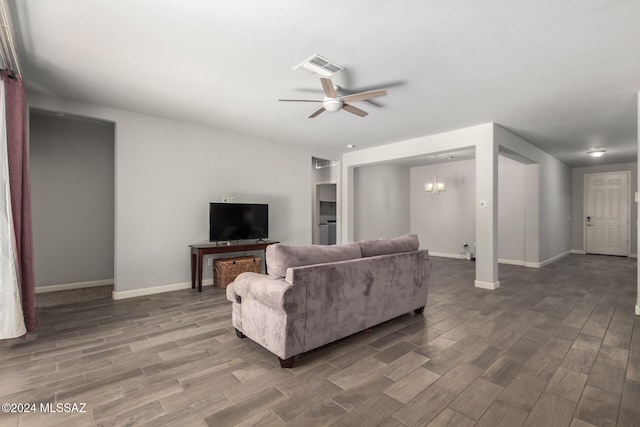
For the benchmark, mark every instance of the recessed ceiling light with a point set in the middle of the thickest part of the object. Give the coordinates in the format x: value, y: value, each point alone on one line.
x: 597, y: 152
x: 351, y: 146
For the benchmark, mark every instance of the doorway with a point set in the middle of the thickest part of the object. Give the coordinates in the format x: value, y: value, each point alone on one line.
x: 606, y: 213
x: 326, y: 213
x: 73, y: 196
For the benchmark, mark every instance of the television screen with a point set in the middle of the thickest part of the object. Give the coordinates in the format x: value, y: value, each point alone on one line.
x: 238, y: 221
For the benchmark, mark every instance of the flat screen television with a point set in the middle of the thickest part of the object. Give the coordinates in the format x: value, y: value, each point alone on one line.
x: 238, y: 221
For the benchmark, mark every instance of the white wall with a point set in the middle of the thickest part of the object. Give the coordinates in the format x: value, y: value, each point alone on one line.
x: 553, y: 228
x: 577, y: 202
x: 443, y: 222
x: 166, y: 174
x: 458, y: 139
x: 381, y: 201
x: 481, y: 137
x: 511, y: 211
x: 72, y: 192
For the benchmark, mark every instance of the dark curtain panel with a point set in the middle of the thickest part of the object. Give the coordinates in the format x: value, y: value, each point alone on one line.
x: 20, y: 187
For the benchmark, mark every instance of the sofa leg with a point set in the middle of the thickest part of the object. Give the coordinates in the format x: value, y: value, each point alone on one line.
x: 239, y: 333
x: 419, y: 310
x: 288, y: 362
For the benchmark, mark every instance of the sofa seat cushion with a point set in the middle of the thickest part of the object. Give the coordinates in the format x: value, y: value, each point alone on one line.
x: 280, y: 257
x: 406, y: 243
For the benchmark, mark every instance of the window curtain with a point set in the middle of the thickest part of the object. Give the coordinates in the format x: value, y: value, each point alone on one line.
x: 16, y: 268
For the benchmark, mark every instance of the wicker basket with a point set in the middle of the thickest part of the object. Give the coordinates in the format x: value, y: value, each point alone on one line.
x: 225, y: 270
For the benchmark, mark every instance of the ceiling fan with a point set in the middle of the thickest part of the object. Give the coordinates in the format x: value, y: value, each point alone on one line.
x: 332, y: 102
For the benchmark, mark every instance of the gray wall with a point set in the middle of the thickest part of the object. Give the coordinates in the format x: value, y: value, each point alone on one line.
x: 552, y: 228
x: 577, y: 202
x: 167, y: 172
x: 511, y: 210
x: 381, y: 201
x: 443, y: 222
x: 72, y: 179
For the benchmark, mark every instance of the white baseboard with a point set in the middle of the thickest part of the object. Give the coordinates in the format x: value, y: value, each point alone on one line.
x: 511, y: 262
x: 445, y: 255
x: 638, y: 310
x: 583, y: 252
x: 486, y: 285
x: 68, y: 286
x: 156, y: 290
x: 555, y: 258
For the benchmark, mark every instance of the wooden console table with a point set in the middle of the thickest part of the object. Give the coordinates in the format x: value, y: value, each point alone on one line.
x: 200, y: 249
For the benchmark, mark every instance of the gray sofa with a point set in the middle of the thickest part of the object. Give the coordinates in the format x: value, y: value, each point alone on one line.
x: 314, y: 295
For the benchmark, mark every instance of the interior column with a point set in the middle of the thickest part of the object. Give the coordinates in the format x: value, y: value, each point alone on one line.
x: 487, y: 214
x: 638, y: 142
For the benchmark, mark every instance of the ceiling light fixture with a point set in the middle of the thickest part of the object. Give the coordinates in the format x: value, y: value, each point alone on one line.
x: 435, y: 187
x: 597, y: 152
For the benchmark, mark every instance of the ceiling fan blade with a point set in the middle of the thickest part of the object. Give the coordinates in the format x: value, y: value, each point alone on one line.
x: 300, y: 100
x: 363, y: 96
x: 329, y: 89
x: 315, y: 113
x: 354, y: 110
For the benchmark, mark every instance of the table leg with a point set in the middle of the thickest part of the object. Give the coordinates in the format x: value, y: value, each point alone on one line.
x: 201, y: 261
x: 193, y: 270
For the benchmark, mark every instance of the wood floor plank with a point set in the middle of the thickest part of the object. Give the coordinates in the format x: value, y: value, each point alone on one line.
x: 567, y: 383
x: 477, y: 398
x: 502, y: 371
x: 459, y: 378
x: 404, y: 365
x: 410, y: 386
x: 450, y: 417
x: 244, y: 409
x: 559, y: 344
x: 381, y: 407
x: 424, y: 407
x: 551, y: 411
x: 501, y: 414
x: 524, y: 391
x: 598, y: 407
x: 319, y: 415
x: 356, y: 373
x: 359, y: 395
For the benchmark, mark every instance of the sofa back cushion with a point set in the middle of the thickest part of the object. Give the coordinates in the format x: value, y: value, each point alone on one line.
x: 280, y: 257
x: 406, y: 243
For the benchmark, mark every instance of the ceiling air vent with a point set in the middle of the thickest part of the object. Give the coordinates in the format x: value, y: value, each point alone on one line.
x: 319, y: 65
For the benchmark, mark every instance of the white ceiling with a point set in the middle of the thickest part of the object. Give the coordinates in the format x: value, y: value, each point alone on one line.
x: 562, y: 74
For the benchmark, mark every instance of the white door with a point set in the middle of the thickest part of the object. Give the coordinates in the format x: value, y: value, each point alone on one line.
x: 607, y: 213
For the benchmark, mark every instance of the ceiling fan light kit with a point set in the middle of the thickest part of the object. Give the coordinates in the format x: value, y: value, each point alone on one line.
x: 332, y: 102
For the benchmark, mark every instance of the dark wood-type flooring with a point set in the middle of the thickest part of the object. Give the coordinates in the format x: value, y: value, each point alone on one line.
x: 557, y: 346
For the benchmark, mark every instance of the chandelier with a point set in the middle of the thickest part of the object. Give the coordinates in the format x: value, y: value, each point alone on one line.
x: 435, y: 187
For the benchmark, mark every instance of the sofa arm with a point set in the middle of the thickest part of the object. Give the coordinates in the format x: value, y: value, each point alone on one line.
x: 268, y: 291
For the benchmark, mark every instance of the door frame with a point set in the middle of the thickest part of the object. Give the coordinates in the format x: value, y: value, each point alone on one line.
x: 584, y: 208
